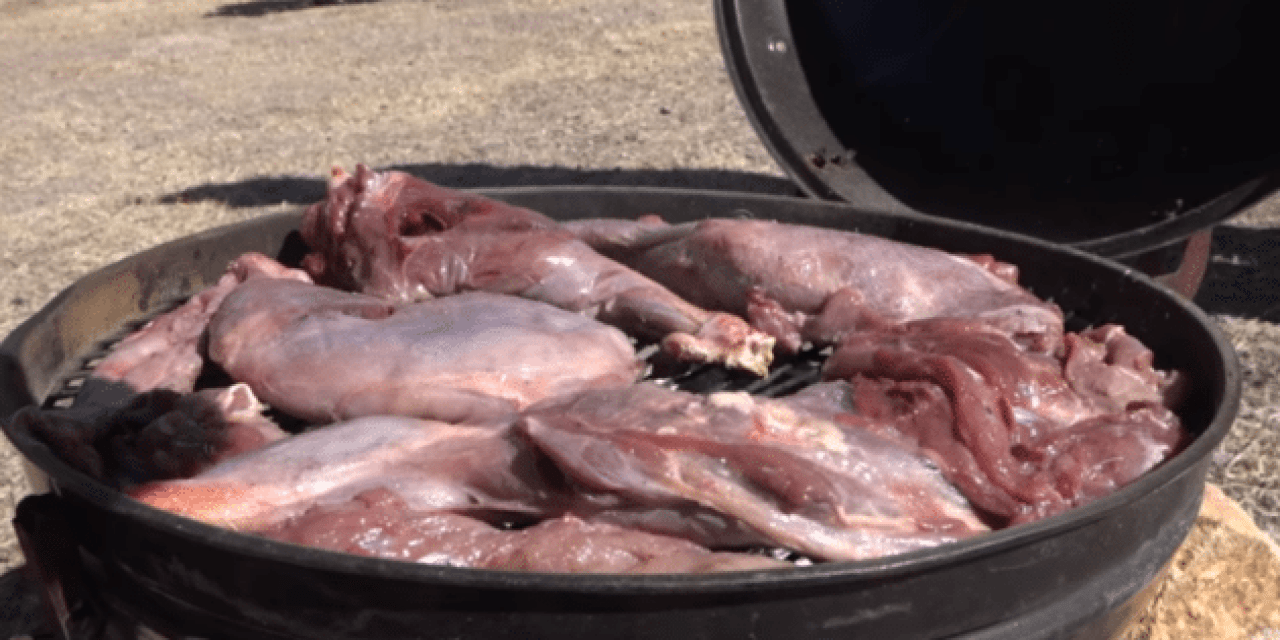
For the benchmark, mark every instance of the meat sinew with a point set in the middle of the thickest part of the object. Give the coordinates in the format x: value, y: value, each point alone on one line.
x: 1023, y: 435
x: 379, y: 523
x: 326, y: 355
x: 802, y: 283
x: 395, y: 236
x: 790, y: 476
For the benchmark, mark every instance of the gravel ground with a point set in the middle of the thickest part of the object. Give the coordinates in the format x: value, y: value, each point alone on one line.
x: 126, y: 124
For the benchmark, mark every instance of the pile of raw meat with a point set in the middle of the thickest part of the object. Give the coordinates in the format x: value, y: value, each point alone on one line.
x: 453, y: 380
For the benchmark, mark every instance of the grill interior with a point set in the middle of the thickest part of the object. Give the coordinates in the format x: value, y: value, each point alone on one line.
x: 787, y: 375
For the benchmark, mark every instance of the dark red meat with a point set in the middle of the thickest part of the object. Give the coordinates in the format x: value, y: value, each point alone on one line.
x: 379, y: 523
x: 1023, y: 435
x: 156, y: 435
x: 394, y: 236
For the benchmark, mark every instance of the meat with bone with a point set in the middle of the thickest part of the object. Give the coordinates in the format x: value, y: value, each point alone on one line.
x: 326, y: 355
x: 433, y: 466
x: 380, y: 524
x: 801, y: 283
x: 1023, y: 435
x: 157, y: 435
x: 792, y: 477
x: 392, y: 235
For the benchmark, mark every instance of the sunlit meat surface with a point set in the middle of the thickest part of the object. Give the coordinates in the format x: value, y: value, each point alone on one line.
x: 790, y: 476
x: 395, y: 236
x: 432, y: 466
x: 802, y: 283
x: 325, y: 355
x: 164, y: 353
x: 1023, y: 435
x: 380, y: 524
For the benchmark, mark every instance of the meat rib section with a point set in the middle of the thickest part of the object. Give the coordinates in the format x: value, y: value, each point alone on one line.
x: 1023, y: 435
x: 380, y: 524
x: 790, y: 476
x: 802, y: 283
x: 394, y: 236
x: 327, y: 355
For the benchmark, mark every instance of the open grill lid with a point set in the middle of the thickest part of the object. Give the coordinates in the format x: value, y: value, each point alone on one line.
x: 1115, y: 128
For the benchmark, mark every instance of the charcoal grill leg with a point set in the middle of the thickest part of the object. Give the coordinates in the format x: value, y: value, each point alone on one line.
x: 1195, y: 262
x: 51, y: 558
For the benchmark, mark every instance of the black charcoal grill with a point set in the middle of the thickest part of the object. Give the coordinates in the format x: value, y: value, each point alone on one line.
x: 1121, y: 131
x: 1080, y: 574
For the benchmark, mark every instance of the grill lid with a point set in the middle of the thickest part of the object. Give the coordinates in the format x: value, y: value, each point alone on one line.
x: 1116, y: 128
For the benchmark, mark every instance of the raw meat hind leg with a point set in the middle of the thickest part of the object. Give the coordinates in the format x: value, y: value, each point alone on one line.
x: 395, y: 236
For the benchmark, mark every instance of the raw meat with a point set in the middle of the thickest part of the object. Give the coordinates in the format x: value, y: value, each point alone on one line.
x: 478, y: 469
x: 379, y: 523
x: 1023, y: 435
x: 326, y: 355
x: 394, y: 236
x: 164, y: 353
x: 801, y: 283
x: 793, y: 478
x: 157, y: 435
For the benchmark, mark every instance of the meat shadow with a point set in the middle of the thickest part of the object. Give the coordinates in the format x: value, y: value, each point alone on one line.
x: 265, y: 7
x: 1243, y: 278
x: 266, y: 191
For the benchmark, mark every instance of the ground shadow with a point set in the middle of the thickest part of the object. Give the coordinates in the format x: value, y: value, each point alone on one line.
x: 264, y: 7
x: 266, y: 191
x: 1243, y: 278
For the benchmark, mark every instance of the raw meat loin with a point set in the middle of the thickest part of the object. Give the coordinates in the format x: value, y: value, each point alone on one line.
x: 164, y: 353
x: 380, y: 524
x: 801, y: 283
x: 326, y: 355
x: 157, y: 435
x: 793, y: 478
x: 433, y: 466
x: 1023, y: 435
x: 395, y: 236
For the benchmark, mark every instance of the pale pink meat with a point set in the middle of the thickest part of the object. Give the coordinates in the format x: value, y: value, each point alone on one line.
x: 392, y: 235
x: 326, y: 355
x: 433, y: 466
x: 164, y: 353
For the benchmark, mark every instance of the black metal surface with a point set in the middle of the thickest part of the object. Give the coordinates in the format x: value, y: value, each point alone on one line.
x: 1080, y: 574
x: 1117, y: 128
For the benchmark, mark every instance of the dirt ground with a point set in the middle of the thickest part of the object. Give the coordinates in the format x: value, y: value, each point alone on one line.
x: 124, y: 124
